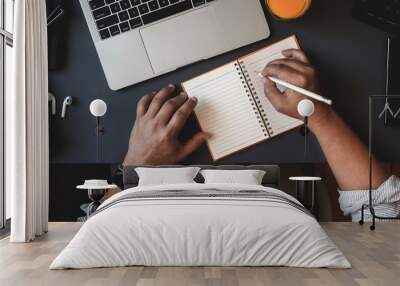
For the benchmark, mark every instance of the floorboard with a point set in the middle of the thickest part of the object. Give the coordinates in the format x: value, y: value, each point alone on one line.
x: 375, y: 257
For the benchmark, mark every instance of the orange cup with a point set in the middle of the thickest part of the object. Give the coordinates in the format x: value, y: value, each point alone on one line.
x: 288, y: 9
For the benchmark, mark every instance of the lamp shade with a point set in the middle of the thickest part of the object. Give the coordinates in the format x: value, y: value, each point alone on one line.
x: 98, y: 108
x: 306, y: 108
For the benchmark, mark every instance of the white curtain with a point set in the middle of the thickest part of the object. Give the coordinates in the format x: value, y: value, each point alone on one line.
x: 27, y: 157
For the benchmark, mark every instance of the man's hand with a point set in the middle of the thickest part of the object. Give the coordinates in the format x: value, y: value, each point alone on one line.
x: 295, y: 69
x: 159, y: 120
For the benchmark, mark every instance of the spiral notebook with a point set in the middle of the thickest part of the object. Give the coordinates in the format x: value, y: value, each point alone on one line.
x: 232, y: 106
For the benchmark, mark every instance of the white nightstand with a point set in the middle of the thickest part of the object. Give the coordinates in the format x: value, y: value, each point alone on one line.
x: 96, y: 190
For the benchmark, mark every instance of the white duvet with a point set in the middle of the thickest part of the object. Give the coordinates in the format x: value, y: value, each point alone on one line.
x: 200, y: 232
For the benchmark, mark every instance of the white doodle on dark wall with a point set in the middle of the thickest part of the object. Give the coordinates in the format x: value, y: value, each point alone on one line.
x: 387, y: 108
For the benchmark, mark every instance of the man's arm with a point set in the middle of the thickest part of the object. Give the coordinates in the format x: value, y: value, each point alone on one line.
x: 347, y: 156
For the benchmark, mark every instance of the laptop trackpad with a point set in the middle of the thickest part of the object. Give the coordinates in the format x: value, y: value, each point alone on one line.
x: 183, y: 40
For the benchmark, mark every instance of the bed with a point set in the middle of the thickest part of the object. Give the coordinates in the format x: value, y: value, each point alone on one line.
x: 198, y: 224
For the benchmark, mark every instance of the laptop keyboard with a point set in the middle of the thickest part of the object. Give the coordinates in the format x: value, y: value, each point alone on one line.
x: 114, y: 17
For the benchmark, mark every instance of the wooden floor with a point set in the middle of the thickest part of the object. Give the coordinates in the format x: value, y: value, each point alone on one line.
x: 375, y: 257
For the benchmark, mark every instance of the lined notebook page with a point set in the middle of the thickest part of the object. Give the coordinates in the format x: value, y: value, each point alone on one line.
x: 256, y: 62
x: 225, y: 111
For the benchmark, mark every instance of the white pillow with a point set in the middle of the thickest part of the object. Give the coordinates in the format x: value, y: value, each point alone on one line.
x: 166, y: 176
x: 247, y: 177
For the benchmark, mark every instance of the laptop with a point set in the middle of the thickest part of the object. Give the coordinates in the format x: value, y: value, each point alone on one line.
x: 138, y: 40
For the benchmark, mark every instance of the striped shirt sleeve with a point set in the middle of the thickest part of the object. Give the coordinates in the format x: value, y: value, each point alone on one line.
x: 385, y: 199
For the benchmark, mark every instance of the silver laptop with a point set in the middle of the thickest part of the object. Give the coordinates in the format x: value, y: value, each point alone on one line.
x: 140, y: 39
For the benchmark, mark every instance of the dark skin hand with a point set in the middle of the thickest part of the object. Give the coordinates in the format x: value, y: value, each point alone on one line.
x: 296, y: 69
x: 159, y: 121
x: 346, y: 154
x: 154, y: 137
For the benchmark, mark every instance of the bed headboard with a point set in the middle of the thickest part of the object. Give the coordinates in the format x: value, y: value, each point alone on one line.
x: 271, y: 178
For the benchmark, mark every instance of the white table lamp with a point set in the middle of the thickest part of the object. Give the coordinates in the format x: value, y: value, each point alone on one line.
x: 98, y: 108
x: 306, y: 108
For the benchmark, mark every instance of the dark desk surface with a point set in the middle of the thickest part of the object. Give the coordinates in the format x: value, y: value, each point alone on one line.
x: 350, y: 57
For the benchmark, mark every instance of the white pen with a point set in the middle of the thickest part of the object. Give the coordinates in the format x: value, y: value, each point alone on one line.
x: 299, y: 89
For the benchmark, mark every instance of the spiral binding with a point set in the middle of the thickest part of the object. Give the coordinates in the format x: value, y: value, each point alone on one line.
x: 254, y: 98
